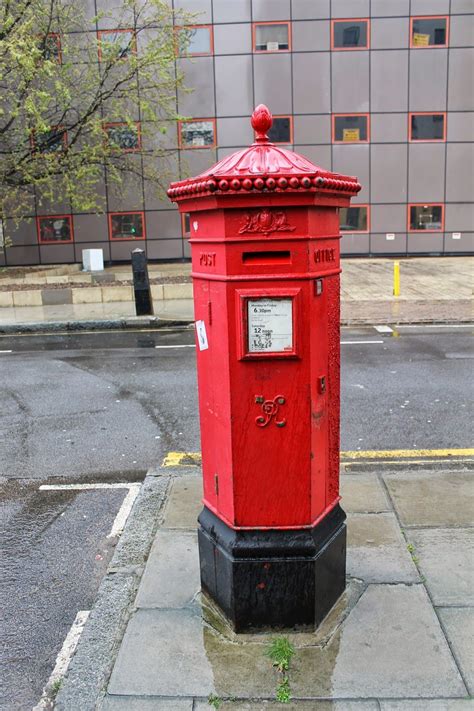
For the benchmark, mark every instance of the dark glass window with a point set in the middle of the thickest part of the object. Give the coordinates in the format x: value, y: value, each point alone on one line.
x: 116, y: 44
x: 126, y: 225
x: 50, y: 141
x: 427, y: 127
x: 353, y: 219
x: 350, y: 33
x: 350, y: 129
x: 426, y: 217
x: 280, y: 131
x: 52, y: 47
x: 55, y: 229
x: 197, y: 134
x: 272, y: 37
x: 124, y: 136
x: 186, y: 223
x: 196, y: 40
x: 429, y: 31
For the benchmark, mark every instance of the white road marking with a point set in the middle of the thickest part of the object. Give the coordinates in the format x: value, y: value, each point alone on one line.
x: 84, y: 487
x: 63, y: 658
x: 121, y: 518
x: 435, y: 325
x: 6, y: 351
x: 352, y: 343
x: 383, y: 329
x: 187, y: 345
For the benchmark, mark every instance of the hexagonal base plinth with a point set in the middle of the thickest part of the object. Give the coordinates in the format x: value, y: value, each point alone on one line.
x: 273, y: 578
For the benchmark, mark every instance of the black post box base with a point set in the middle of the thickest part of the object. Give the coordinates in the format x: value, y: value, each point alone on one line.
x: 273, y: 578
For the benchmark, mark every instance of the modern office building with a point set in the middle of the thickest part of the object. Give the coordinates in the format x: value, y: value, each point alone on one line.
x: 381, y: 89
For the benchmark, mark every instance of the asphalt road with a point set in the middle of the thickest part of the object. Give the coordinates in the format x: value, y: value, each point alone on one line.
x: 104, y: 407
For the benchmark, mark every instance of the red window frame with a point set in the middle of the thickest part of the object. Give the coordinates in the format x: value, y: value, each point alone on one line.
x: 358, y: 232
x: 285, y: 116
x: 54, y: 217
x: 350, y: 19
x: 184, y: 147
x: 270, y: 51
x: 196, y: 54
x: 115, y: 32
x: 59, y: 128
x: 127, y: 239
x: 429, y: 17
x: 427, y: 140
x: 349, y: 143
x: 124, y: 123
x: 425, y: 204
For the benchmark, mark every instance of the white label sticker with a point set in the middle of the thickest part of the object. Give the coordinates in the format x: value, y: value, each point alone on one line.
x: 270, y: 325
x: 456, y: 235
x: 195, y: 225
x: 202, y: 335
x: 390, y: 235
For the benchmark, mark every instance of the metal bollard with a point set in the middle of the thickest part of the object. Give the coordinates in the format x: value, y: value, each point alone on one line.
x: 141, y: 284
x: 396, y: 278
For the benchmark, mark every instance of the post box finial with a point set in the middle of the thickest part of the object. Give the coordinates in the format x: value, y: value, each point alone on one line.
x: 261, y: 121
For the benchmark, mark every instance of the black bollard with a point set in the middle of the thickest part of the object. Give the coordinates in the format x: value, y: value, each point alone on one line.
x: 141, y: 284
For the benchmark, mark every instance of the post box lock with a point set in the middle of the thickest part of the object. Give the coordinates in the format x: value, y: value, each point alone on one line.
x: 318, y: 287
x: 322, y: 384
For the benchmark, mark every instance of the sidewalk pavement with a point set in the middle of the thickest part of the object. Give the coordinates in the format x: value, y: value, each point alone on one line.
x: 400, y: 638
x: 433, y: 290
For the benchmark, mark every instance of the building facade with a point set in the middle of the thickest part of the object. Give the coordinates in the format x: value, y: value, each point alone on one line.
x: 380, y: 89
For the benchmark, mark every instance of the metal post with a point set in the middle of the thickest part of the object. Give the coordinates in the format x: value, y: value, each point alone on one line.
x: 396, y: 278
x: 141, y: 284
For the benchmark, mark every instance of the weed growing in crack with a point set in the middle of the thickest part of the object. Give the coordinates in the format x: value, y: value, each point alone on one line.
x: 280, y: 652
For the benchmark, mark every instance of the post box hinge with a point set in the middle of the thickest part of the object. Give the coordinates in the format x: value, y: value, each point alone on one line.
x: 216, y: 484
x: 209, y: 312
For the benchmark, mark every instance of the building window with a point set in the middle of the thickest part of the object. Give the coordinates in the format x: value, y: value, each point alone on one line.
x: 126, y: 225
x: 354, y: 219
x: 54, y: 229
x: 271, y: 37
x: 186, y: 224
x: 427, y: 127
x: 197, y: 133
x: 116, y: 44
x: 125, y: 136
x: 423, y: 218
x: 429, y: 31
x: 350, y: 34
x: 350, y: 128
x: 281, y: 130
x: 195, y: 40
x: 52, y: 47
x: 51, y: 141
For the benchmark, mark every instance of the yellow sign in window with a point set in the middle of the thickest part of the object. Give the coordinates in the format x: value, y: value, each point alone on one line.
x: 351, y: 134
x: 420, y: 40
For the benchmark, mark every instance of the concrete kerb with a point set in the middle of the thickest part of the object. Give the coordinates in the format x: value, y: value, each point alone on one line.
x: 132, y: 323
x: 91, y: 666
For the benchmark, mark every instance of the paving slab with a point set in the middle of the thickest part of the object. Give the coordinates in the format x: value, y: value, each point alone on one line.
x: 432, y: 498
x: 184, y: 502
x: 130, y: 703
x: 172, y: 577
x: 377, y: 551
x: 363, y: 493
x: 265, y: 705
x: 428, y: 705
x: 458, y: 623
x: 446, y: 560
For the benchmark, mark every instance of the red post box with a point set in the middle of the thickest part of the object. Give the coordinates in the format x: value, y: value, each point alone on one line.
x: 264, y: 227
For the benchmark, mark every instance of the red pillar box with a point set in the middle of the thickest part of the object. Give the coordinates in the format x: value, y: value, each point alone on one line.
x: 264, y: 230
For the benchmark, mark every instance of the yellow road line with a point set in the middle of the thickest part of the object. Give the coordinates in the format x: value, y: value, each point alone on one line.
x: 192, y: 459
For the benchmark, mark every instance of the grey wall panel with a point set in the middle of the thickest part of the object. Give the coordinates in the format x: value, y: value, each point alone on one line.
x: 225, y: 11
x: 234, y: 86
x: 309, y: 9
x: 388, y: 218
x: 311, y: 36
x: 57, y: 205
x: 461, y: 6
x: 109, y: 17
x: 272, y: 80
x: 428, y: 77
x: 464, y: 244
x: 429, y: 243
x: 379, y: 244
x: 389, y: 33
x: 154, y: 139
x: 201, y: 7
x: 128, y: 196
x: 91, y: 228
x: 57, y: 253
x: 319, y: 155
x: 350, y: 8
x: 389, y: 80
x: 155, y: 200
x: 350, y: 81
x: 429, y: 7
x: 461, y: 75
x: 312, y: 129
x: 390, y: 7
x: 2, y: 259
x: 311, y: 84
x: 186, y: 249
x: 16, y: 256
x: 234, y: 131
x: 354, y: 160
x: 164, y: 224
x: 198, y: 76
x: 460, y: 126
x: 461, y: 30
x: 233, y: 39
x: 426, y: 165
x: 389, y: 128
x: 354, y: 244
x: 120, y: 251
x: 104, y: 246
x: 270, y: 10
x: 388, y: 174
x: 165, y: 249
x: 459, y: 173
x: 459, y: 217
x: 223, y: 152
x: 197, y: 160
x: 22, y: 234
